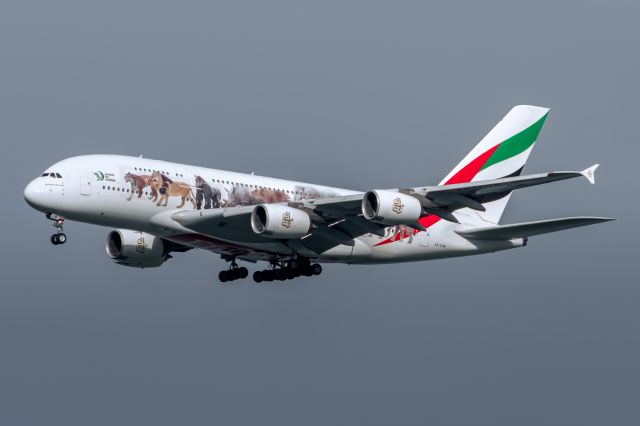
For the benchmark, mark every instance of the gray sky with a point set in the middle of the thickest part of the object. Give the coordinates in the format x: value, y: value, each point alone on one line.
x: 358, y: 94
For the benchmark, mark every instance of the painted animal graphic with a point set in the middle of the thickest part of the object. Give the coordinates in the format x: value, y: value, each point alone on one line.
x: 239, y: 196
x: 304, y: 192
x: 168, y: 188
x: 266, y: 195
x: 138, y: 183
x: 205, y: 193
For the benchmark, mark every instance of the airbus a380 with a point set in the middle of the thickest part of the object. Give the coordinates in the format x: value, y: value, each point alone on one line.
x: 160, y: 207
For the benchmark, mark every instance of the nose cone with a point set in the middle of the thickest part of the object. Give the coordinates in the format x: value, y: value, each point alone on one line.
x: 34, y: 194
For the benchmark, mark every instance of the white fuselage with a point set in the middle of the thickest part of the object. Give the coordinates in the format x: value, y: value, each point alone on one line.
x: 93, y: 189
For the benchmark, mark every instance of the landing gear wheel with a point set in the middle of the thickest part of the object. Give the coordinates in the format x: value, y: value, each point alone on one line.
x: 269, y: 275
x: 281, y: 274
x: 258, y: 276
x: 58, y: 222
x: 242, y: 272
x: 316, y: 269
x: 234, y: 272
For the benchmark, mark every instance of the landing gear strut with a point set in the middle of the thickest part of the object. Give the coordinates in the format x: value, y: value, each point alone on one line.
x: 288, y: 270
x: 58, y: 222
x: 233, y: 273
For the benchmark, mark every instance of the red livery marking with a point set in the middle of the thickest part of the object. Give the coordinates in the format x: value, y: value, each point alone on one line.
x: 464, y: 175
x: 468, y: 172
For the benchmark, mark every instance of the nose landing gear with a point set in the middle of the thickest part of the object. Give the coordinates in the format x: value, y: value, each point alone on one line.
x: 58, y: 222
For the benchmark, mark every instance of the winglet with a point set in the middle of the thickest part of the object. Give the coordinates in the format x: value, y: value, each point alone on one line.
x: 590, y: 173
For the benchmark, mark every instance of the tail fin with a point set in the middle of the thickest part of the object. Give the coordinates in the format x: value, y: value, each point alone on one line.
x: 503, y: 152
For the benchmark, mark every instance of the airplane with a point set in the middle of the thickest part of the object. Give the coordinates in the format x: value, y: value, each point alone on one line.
x: 160, y: 207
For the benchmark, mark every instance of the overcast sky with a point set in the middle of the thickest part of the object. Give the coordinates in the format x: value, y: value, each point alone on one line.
x: 355, y: 94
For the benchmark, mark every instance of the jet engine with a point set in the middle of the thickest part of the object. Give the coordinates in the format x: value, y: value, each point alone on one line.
x: 280, y: 221
x: 136, y: 249
x: 391, y: 207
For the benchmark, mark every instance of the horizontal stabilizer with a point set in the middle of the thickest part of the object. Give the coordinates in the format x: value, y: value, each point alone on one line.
x: 528, y: 229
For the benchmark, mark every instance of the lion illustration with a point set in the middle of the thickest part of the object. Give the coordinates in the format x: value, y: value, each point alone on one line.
x: 168, y: 188
x: 138, y: 183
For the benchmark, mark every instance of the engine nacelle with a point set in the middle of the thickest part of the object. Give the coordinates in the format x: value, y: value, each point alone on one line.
x: 280, y: 221
x: 391, y: 207
x: 136, y: 249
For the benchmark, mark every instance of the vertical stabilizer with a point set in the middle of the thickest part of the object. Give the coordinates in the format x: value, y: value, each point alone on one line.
x: 503, y: 152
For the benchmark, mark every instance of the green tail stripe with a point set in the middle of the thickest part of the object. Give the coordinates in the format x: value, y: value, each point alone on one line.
x: 516, y: 144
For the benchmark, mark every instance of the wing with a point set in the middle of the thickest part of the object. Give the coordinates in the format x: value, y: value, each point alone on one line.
x: 334, y: 220
x: 442, y: 200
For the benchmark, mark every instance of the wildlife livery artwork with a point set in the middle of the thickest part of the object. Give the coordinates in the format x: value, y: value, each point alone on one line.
x: 168, y: 188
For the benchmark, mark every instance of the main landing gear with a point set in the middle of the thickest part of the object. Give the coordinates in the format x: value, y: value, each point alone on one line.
x: 288, y: 270
x: 58, y: 222
x: 279, y: 271
x: 233, y: 273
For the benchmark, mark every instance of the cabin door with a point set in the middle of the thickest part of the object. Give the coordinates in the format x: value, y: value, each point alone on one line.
x: 85, y: 185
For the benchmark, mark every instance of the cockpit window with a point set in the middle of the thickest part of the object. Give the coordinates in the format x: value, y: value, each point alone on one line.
x: 44, y: 175
x: 58, y: 176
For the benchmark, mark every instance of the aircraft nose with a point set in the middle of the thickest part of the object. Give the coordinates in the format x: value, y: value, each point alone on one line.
x: 33, y: 193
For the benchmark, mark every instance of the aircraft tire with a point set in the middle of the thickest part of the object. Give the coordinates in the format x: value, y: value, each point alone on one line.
x: 269, y: 274
x: 316, y: 268
x: 242, y: 272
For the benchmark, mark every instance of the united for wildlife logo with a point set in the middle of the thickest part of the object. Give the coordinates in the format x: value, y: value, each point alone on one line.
x: 397, y: 205
x: 287, y: 220
x: 100, y: 176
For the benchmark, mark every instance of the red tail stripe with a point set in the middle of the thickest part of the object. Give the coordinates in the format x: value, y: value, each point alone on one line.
x: 468, y: 172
